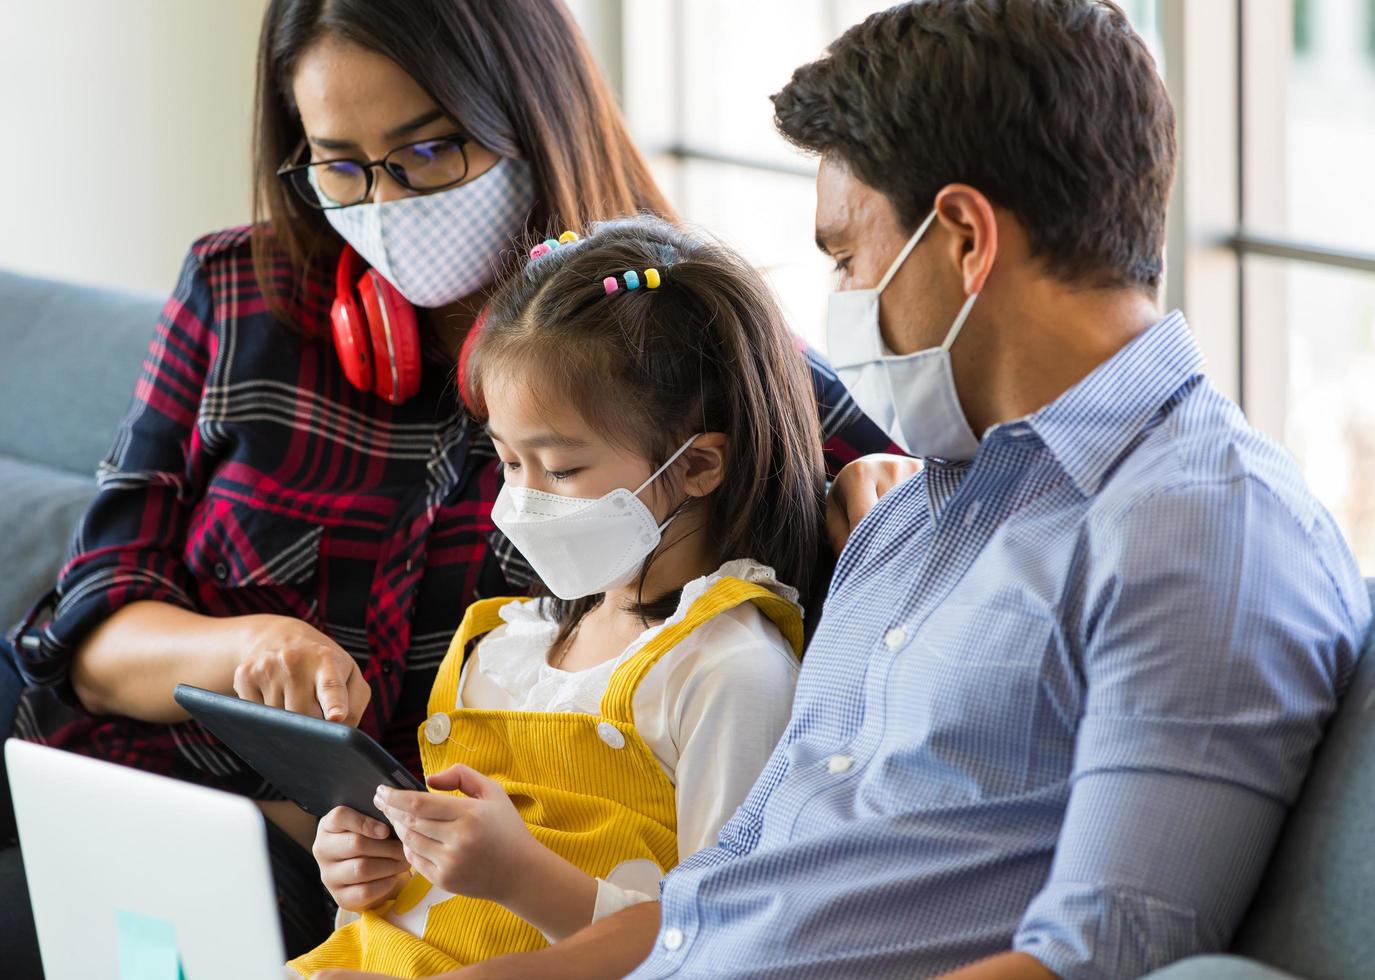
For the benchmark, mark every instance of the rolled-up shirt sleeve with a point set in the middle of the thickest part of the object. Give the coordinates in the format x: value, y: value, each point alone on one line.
x: 1213, y: 657
x: 130, y: 542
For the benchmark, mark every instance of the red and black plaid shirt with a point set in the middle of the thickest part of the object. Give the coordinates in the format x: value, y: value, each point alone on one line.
x: 250, y: 477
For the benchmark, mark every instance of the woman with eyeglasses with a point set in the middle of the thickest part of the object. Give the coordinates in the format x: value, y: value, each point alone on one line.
x: 297, y: 507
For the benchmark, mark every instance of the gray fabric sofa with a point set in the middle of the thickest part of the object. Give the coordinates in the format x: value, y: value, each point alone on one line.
x: 69, y: 357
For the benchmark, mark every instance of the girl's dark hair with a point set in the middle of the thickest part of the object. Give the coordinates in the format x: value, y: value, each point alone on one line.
x: 707, y: 351
x: 515, y: 75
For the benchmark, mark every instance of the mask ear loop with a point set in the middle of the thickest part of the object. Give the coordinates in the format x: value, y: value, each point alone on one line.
x: 671, y: 460
x: 659, y: 472
x: 906, y: 251
x: 958, y: 325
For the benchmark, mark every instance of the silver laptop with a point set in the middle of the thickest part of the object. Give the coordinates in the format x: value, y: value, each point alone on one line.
x: 123, y: 864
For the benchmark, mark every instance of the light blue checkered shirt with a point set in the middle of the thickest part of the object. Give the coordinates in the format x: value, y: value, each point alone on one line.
x: 1059, y: 702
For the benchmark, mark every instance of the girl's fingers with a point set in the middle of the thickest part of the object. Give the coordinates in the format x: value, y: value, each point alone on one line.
x: 345, y: 820
x: 366, y: 870
x: 353, y: 847
x: 364, y: 896
x: 418, y: 845
x: 424, y: 865
x: 435, y: 830
x: 431, y: 806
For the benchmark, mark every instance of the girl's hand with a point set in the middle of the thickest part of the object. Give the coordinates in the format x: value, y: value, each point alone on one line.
x: 856, y: 490
x: 474, y: 845
x: 359, y: 864
x: 287, y: 663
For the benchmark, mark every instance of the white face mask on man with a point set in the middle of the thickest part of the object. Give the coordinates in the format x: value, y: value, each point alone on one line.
x: 437, y: 248
x: 911, y: 397
x: 582, y: 546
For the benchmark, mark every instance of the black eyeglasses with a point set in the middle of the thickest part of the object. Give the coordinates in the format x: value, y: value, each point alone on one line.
x: 425, y: 165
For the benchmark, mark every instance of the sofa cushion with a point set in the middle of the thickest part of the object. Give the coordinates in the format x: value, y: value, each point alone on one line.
x: 1218, y: 968
x: 39, y: 509
x: 71, y: 357
x: 1311, y: 915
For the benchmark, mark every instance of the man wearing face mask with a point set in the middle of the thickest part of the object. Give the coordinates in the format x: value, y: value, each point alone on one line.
x: 1069, y: 677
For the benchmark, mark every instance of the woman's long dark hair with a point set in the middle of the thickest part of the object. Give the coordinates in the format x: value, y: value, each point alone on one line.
x: 707, y: 351
x: 515, y: 75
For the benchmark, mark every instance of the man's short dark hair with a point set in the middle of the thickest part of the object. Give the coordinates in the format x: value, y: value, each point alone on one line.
x: 1051, y: 108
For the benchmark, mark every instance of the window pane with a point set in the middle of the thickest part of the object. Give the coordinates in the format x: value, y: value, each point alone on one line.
x: 1322, y: 355
x: 766, y: 216
x: 1308, y: 167
x: 730, y: 74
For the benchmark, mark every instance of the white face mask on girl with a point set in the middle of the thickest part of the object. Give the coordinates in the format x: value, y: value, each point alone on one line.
x: 437, y: 248
x: 582, y: 546
x: 911, y: 397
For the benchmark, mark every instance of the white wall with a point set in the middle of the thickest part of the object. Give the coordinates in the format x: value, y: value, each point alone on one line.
x: 124, y: 133
x: 125, y: 130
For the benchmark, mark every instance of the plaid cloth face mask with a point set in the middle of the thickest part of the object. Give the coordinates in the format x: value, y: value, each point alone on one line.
x: 437, y: 248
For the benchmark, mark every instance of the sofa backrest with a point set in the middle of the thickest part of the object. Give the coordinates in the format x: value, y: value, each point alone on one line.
x: 69, y: 357
x: 1312, y: 914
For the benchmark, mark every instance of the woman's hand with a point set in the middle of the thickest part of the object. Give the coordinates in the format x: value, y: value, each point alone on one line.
x: 359, y: 864
x: 474, y: 845
x: 289, y: 664
x: 856, y: 490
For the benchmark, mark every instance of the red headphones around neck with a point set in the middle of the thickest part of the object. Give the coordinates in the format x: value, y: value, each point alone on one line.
x: 375, y: 331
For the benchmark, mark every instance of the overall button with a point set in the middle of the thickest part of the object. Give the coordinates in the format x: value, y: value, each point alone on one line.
x: 837, y: 764
x: 895, y: 638
x: 611, y: 735
x: 673, y: 939
x: 437, y: 728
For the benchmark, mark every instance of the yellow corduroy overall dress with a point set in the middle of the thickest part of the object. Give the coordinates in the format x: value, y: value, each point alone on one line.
x: 587, y: 786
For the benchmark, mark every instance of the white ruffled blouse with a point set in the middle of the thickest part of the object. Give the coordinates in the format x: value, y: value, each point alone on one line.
x: 711, y: 710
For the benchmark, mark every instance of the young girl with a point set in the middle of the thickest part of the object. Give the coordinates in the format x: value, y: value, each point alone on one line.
x: 663, y: 477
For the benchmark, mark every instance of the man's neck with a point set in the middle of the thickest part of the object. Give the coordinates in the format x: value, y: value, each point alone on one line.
x: 1041, y: 343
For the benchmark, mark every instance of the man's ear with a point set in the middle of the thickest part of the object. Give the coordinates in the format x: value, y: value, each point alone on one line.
x: 968, y: 216
x: 706, y: 464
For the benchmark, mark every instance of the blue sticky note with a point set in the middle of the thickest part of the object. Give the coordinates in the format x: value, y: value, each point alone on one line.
x: 147, y: 947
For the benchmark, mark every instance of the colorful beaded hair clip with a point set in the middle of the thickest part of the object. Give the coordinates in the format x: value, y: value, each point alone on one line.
x: 611, y: 283
x: 549, y: 244
x: 632, y: 281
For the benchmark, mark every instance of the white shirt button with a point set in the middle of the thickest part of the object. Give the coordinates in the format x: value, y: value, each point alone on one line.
x: 673, y: 939
x: 837, y: 764
x: 611, y: 735
x: 895, y: 638
x: 437, y: 728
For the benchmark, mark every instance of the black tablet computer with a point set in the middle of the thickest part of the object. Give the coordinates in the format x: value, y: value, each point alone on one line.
x: 316, y: 764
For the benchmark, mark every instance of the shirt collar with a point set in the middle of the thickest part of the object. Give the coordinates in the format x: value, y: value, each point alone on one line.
x: 1089, y: 427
